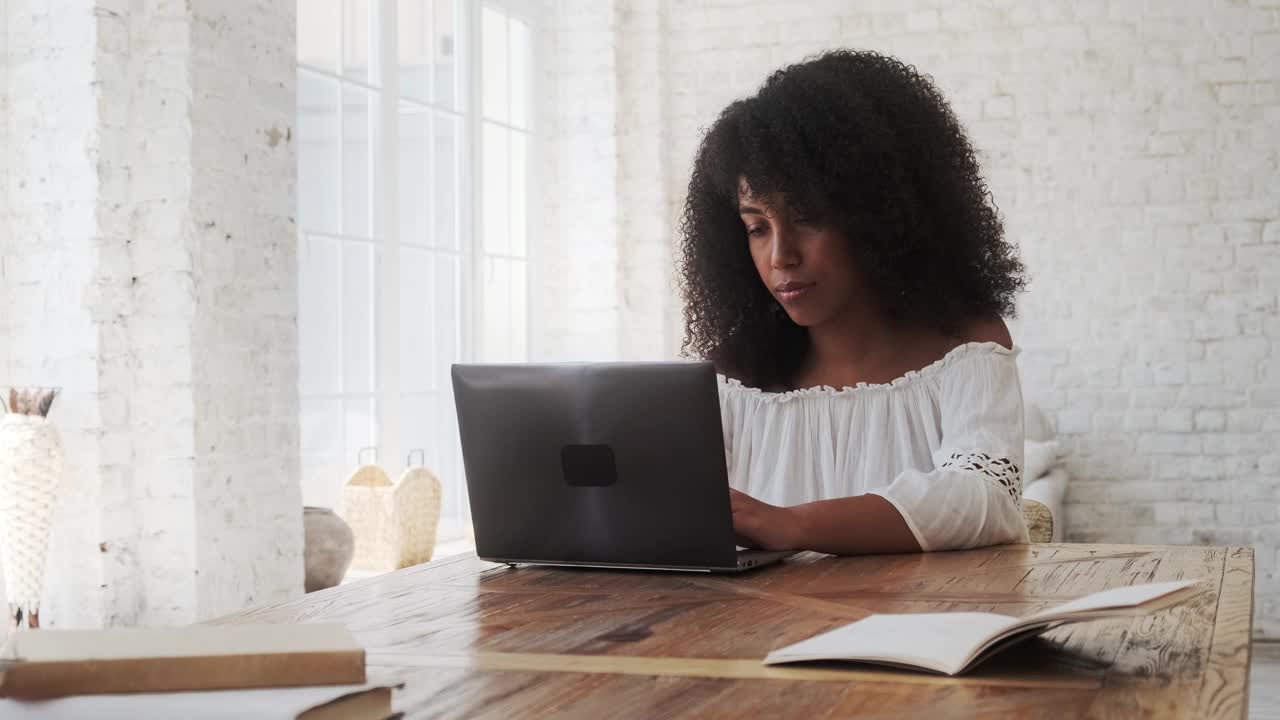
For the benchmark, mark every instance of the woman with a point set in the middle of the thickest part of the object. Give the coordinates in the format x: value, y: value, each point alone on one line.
x: 844, y: 268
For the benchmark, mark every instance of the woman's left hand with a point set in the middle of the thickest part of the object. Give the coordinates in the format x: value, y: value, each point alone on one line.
x: 766, y: 527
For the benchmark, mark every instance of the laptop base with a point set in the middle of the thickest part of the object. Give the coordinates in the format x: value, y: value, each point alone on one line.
x: 747, y: 560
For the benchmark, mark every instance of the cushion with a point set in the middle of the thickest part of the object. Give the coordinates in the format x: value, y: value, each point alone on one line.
x: 1036, y: 423
x: 1038, y: 457
x: 1045, y: 479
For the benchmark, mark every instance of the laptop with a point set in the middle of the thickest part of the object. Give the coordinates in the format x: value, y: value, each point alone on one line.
x: 618, y: 465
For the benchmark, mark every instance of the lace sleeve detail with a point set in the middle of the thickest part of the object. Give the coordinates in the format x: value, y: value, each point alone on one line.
x: 997, y: 468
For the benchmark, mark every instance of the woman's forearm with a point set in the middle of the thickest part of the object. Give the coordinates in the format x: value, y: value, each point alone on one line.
x: 855, y: 525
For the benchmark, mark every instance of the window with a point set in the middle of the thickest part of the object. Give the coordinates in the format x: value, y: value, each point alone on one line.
x: 414, y: 132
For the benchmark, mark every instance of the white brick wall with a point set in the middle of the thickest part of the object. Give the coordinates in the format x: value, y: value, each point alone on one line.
x: 1134, y: 151
x: 646, y: 282
x: 49, y: 258
x: 602, y: 284
x: 151, y: 271
x: 576, y: 308
x: 4, y: 205
x: 247, y: 492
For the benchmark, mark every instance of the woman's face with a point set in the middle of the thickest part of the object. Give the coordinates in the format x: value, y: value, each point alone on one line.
x: 807, y: 267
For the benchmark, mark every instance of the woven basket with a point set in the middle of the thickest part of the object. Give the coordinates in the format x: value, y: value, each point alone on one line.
x: 394, y: 523
x: 1039, y: 521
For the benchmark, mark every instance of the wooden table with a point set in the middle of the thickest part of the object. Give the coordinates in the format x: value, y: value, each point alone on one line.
x: 471, y: 639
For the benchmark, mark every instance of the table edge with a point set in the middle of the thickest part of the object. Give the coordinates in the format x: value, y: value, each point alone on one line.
x: 1235, y: 598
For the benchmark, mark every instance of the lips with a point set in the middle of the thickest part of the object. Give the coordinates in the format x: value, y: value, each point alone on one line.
x: 792, y: 290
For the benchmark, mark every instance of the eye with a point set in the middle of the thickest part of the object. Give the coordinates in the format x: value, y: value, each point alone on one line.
x: 756, y: 230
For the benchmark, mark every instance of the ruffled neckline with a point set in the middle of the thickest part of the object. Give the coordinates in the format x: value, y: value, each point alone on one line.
x: 911, y: 377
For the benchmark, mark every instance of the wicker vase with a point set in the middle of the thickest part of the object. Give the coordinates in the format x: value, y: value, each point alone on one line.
x: 30, y: 474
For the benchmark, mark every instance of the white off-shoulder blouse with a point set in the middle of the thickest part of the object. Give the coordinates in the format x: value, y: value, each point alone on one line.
x: 943, y: 444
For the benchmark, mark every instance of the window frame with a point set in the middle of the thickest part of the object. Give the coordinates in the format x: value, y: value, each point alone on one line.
x: 383, y: 82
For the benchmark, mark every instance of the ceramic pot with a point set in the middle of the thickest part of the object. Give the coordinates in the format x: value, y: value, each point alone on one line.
x: 327, y: 548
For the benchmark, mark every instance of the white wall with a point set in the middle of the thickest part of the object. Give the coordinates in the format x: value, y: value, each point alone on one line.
x: 244, y: 334
x: 150, y: 270
x: 4, y: 205
x: 50, y: 259
x: 1134, y: 151
x: 602, y: 286
x: 575, y: 305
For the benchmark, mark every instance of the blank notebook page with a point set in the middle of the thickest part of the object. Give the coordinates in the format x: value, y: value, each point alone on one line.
x: 938, y: 641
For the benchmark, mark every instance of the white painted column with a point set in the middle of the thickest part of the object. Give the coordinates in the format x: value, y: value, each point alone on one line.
x: 150, y: 270
x: 602, y: 279
x: 646, y: 282
x: 50, y: 259
x: 4, y: 181
x: 244, y: 335
x: 574, y: 276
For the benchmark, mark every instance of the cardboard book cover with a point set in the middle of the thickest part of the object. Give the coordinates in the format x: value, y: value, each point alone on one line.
x: 54, y: 663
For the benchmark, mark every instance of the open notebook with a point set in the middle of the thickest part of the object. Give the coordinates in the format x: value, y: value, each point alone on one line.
x: 951, y: 643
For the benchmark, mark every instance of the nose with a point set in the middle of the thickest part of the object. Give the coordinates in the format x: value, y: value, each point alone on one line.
x: 784, y: 253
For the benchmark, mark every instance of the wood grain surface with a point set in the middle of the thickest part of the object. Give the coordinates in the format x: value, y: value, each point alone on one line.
x: 475, y: 640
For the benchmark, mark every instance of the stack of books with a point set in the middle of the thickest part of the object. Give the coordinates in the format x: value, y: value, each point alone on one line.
x: 312, y: 672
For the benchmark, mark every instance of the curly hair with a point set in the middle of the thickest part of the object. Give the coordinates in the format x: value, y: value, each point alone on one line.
x: 869, y: 147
